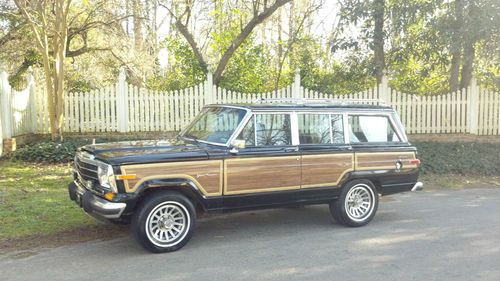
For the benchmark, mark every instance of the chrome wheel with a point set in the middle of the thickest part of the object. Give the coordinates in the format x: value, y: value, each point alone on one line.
x: 359, y: 202
x: 167, y: 224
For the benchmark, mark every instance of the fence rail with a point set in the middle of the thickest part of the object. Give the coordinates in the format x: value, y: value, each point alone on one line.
x: 126, y: 108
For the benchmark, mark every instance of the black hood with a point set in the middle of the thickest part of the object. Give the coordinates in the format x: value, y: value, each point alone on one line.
x: 146, y: 151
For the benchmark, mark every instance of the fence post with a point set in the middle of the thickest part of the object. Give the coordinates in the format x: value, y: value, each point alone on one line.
x: 473, y: 110
x: 32, y: 102
x: 296, y: 92
x: 5, y: 105
x: 384, y: 91
x: 122, y: 102
x: 209, y: 95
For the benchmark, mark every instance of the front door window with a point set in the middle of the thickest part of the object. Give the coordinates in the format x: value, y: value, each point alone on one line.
x: 267, y: 130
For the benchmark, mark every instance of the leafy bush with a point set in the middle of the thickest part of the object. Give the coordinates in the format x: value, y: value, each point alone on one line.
x: 49, y: 151
x: 463, y: 158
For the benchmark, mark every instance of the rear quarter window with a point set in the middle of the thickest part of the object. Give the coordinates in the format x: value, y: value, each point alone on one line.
x: 371, y: 129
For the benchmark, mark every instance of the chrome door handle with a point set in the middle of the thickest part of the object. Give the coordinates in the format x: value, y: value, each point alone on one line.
x: 347, y: 147
x: 291, y: 149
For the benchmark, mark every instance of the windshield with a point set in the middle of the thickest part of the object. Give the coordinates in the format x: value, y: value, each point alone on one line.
x: 215, y: 124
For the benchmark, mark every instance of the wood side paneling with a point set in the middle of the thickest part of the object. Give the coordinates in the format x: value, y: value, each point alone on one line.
x: 325, y: 169
x: 259, y: 174
x: 384, y: 160
x: 207, y: 175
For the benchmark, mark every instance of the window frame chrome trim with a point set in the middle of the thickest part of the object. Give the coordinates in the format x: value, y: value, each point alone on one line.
x: 345, y: 123
x: 241, y: 126
x: 330, y: 127
x: 294, y: 127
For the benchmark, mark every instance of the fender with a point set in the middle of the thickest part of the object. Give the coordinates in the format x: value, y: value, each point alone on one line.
x: 184, y: 184
x: 388, y: 181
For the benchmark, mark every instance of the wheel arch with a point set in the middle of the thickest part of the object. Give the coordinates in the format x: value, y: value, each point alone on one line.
x: 183, y: 186
x: 353, y: 176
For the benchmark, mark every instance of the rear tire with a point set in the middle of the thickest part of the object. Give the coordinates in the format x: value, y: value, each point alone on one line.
x: 357, y: 204
x: 164, y: 222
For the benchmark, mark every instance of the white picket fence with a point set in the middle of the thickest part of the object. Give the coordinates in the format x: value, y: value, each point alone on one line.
x: 126, y: 108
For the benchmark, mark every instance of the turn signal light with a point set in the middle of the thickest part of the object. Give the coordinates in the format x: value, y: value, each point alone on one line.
x: 126, y: 177
x: 109, y: 196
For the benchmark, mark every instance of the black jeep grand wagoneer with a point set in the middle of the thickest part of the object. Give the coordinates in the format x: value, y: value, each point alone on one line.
x: 241, y: 157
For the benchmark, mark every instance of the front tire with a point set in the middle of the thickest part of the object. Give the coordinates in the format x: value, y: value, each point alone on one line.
x: 164, y: 222
x: 357, y: 204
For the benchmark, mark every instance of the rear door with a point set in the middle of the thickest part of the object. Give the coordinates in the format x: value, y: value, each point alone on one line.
x: 382, y: 153
x: 326, y: 158
x: 267, y: 171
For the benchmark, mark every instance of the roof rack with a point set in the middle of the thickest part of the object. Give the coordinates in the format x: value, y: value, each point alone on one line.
x: 322, y: 101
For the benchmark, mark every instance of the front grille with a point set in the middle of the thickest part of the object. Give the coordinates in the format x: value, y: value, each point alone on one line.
x: 86, y: 170
x: 86, y: 173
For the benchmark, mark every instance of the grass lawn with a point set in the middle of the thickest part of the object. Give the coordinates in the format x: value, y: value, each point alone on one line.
x: 34, y: 200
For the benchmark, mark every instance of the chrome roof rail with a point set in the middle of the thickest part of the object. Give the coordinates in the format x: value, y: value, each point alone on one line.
x: 321, y: 101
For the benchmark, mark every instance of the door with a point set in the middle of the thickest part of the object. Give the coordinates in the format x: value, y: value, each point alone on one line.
x: 267, y: 171
x: 380, y: 149
x: 326, y: 158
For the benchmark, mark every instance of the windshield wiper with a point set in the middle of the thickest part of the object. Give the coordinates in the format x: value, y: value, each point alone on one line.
x: 190, y: 137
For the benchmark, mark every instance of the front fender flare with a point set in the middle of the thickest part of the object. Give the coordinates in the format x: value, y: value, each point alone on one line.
x: 189, y: 187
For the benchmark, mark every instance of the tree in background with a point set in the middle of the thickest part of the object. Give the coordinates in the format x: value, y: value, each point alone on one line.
x: 48, y: 20
x: 69, y: 39
x: 260, y: 10
x: 425, y: 47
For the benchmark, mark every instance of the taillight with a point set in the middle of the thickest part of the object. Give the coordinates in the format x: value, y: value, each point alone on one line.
x: 415, y: 162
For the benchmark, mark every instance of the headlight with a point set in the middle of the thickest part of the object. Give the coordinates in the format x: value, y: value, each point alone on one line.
x: 106, y: 177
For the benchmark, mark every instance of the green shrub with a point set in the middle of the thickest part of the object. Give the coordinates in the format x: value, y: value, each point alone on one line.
x: 49, y: 151
x: 463, y: 158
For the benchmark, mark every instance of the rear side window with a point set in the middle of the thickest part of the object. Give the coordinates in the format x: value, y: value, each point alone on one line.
x: 320, y: 128
x: 371, y: 128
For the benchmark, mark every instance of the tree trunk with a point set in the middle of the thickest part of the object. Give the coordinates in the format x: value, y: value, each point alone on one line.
x: 470, y: 39
x: 60, y: 53
x: 456, y: 45
x: 454, y: 70
x: 137, y: 11
x: 280, y: 31
x: 378, y: 38
x: 467, y: 67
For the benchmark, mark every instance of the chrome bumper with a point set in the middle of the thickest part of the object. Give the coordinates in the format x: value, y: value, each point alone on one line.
x: 418, y: 186
x: 94, y: 205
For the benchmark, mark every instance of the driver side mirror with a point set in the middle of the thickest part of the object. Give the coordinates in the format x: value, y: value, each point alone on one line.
x: 236, y: 145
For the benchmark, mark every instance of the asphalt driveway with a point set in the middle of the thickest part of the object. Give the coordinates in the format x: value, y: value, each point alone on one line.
x: 430, y: 235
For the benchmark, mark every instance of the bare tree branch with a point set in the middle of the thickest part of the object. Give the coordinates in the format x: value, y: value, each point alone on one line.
x: 247, y: 30
x: 11, y: 34
x: 182, y: 27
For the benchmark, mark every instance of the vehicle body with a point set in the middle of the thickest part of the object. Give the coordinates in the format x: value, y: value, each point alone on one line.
x: 244, y: 157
